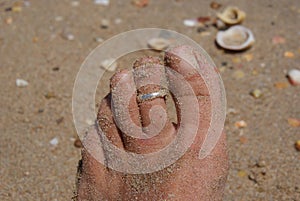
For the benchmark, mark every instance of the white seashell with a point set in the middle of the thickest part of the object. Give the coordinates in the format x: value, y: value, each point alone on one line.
x: 68, y: 36
x: 102, y: 2
x: 159, y: 44
x: 109, y: 64
x: 232, y: 15
x: 54, y: 141
x: 99, y: 39
x: 190, y: 22
x: 235, y: 38
x: 294, y: 76
x: 21, y: 83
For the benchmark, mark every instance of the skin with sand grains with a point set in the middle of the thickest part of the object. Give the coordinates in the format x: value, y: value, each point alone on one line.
x: 189, y: 178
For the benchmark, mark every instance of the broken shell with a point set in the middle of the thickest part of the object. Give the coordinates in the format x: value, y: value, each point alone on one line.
x: 220, y: 25
x: 21, y: 83
x: 256, y: 93
x: 190, y: 22
x: 240, y: 124
x: 297, y: 145
x: 158, y: 44
x: 109, y: 64
x: 235, y: 38
x: 294, y: 76
x: 232, y: 15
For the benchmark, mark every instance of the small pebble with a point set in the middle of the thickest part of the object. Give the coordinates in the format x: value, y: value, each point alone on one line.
x: 297, y: 145
x: 252, y: 177
x: 49, y: 95
x: 294, y: 122
x: 238, y: 74
x: 21, y: 83
x: 56, y: 68
x: 205, y: 33
x: 89, y: 122
x: 9, y: 20
x: 140, y: 3
x: 278, y: 40
x: 214, y: 5
x: 294, y: 76
x: 256, y: 93
x: 243, y: 139
x: 220, y: 25
x: 261, y: 163
x: 58, y: 18
x: 75, y: 3
x: 289, y: 54
x: 35, y: 39
x: 60, y: 120
x: 26, y: 3
x: 231, y: 111
x: 105, y: 23
x: 236, y: 60
x: 158, y: 44
x: 109, y: 64
x: 240, y: 124
x: 224, y: 63
x: 254, y: 72
x: 118, y: 21
x: 102, y: 2
x: 281, y: 85
x: 16, y: 9
x: 99, y: 39
x: 248, y: 57
x: 78, y: 143
x: 54, y: 141
x: 68, y: 36
x: 242, y: 173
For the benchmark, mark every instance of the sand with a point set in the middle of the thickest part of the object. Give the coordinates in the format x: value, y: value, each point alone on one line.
x: 264, y: 163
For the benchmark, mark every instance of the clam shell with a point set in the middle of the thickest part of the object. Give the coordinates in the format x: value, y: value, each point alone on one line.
x: 232, y: 15
x: 235, y: 38
x: 158, y: 44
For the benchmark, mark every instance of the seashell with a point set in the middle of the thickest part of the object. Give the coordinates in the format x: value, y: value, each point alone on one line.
x: 109, y: 64
x: 190, y: 22
x: 235, y: 38
x: 158, y: 44
x: 54, y: 141
x: 232, y: 15
x: 102, y: 2
x: 256, y: 93
x: 294, y: 76
x: 21, y: 83
x: 68, y: 36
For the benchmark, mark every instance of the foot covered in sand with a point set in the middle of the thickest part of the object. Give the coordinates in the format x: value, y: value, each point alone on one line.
x: 134, y: 119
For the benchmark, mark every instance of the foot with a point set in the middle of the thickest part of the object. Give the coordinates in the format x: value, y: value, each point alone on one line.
x: 149, y: 130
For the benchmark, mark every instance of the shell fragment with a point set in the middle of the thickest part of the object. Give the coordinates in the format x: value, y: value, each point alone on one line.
x: 158, y: 44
